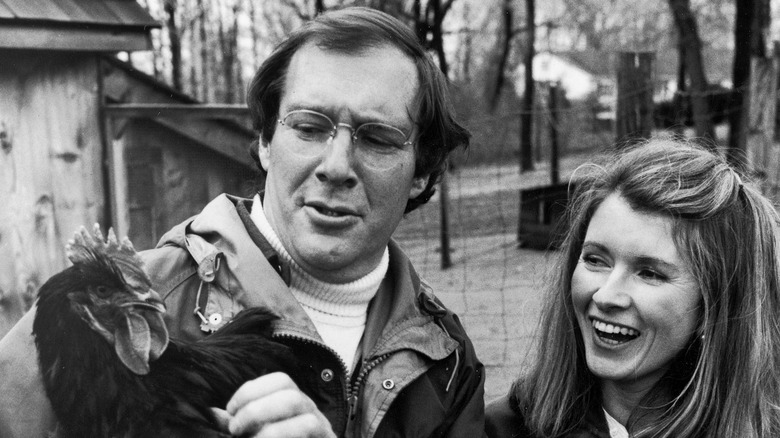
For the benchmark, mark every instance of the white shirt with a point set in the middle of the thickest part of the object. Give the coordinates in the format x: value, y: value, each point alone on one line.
x: 616, y: 430
x: 338, y: 311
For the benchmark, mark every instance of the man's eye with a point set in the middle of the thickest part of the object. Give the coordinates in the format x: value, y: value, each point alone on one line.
x: 310, y: 131
x: 310, y: 128
x: 377, y: 141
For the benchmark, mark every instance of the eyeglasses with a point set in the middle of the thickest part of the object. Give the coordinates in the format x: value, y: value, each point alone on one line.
x: 377, y: 145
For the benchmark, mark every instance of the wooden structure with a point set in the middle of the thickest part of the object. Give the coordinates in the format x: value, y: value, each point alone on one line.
x: 762, y: 151
x: 541, y: 208
x: 83, y: 139
x: 634, y: 118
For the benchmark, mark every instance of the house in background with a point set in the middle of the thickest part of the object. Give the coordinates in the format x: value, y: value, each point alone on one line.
x: 585, y: 72
x: 71, y: 151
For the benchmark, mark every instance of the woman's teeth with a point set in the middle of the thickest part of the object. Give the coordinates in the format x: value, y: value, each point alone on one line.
x: 614, y: 334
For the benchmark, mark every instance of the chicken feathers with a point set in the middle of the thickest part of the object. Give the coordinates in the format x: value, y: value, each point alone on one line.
x: 108, y: 365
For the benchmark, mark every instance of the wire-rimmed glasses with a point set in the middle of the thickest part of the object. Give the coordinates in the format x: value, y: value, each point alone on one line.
x: 377, y: 145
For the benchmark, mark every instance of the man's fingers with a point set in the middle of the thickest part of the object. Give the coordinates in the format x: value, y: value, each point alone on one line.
x: 281, y: 405
x: 308, y: 425
x: 221, y: 417
x: 258, y: 388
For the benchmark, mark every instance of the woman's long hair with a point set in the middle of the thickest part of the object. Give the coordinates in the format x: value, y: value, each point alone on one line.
x: 727, y: 382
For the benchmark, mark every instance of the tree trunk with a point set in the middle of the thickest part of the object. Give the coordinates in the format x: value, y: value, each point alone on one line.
x: 435, y: 19
x: 751, y: 17
x: 634, y: 97
x: 681, y: 102
x: 205, y: 64
x: 526, y: 117
x: 175, y: 41
x: 504, y: 56
x: 691, y: 43
x: 253, y: 27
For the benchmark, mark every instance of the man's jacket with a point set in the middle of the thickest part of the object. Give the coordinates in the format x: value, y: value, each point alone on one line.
x: 418, y: 375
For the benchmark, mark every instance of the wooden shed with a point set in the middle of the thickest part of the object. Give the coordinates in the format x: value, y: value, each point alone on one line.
x: 85, y: 138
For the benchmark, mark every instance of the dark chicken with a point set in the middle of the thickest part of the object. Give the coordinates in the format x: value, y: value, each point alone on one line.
x: 108, y: 366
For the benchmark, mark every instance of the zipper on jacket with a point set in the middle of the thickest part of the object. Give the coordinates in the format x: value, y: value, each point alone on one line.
x: 344, y: 369
x: 354, y: 388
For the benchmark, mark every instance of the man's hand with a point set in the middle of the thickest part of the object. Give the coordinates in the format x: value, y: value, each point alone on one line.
x: 273, y: 406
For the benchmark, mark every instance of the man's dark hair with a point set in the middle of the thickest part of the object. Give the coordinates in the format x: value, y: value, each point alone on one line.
x: 354, y: 31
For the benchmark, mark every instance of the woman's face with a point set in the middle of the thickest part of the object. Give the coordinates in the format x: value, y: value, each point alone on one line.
x: 636, y: 300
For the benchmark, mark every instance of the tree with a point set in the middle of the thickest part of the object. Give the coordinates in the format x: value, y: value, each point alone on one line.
x: 752, y: 22
x: 175, y: 43
x: 506, y: 47
x: 526, y: 148
x: 691, y: 45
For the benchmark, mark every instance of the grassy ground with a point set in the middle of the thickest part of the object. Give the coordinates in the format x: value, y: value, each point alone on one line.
x: 494, y: 286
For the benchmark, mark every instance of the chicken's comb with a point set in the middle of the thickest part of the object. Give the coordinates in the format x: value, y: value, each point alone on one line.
x: 85, y: 246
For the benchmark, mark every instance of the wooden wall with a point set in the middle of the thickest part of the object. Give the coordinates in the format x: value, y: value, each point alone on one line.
x: 50, y: 175
x: 171, y: 177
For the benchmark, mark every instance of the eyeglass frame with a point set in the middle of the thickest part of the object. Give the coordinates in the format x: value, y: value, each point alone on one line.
x: 353, y: 131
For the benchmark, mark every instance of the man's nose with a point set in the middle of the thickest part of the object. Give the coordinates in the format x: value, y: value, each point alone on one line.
x: 614, y: 291
x: 337, y: 166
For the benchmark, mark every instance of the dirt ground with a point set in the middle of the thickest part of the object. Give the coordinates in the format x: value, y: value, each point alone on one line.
x: 495, y: 287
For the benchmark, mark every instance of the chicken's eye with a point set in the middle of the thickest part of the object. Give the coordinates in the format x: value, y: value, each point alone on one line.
x: 102, y: 291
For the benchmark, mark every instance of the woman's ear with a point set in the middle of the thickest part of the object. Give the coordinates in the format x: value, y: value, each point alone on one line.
x: 418, y: 185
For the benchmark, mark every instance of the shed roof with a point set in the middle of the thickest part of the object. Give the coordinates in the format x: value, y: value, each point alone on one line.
x: 84, y: 25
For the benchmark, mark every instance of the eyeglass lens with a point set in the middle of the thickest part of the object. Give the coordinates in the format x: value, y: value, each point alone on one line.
x: 375, y: 143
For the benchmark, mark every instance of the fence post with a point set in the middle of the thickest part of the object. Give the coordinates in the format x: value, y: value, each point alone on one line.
x: 763, y: 155
x: 634, y: 118
x: 444, y: 229
x: 554, y: 123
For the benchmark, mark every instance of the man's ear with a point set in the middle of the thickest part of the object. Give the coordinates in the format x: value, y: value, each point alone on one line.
x: 264, y: 153
x: 418, y: 185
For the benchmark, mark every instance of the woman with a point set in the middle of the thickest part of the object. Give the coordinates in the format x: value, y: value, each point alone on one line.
x: 663, y: 319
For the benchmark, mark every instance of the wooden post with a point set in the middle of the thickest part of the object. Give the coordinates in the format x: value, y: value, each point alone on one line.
x: 444, y: 229
x: 634, y: 96
x: 117, y: 174
x: 554, y: 121
x: 763, y: 155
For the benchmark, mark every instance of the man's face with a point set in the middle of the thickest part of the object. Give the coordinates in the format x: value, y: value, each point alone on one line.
x: 335, y: 209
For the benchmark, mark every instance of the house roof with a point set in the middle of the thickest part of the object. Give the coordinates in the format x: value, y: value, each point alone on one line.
x: 82, y: 25
x: 717, y: 63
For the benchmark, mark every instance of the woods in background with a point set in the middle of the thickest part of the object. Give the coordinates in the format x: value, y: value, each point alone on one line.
x: 209, y: 49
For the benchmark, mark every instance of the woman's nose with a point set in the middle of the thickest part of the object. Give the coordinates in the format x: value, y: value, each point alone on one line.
x: 614, y: 292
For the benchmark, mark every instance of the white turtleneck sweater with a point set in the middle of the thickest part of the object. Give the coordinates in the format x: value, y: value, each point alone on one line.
x: 338, y: 311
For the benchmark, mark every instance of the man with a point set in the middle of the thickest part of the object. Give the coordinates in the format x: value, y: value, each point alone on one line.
x: 355, y: 127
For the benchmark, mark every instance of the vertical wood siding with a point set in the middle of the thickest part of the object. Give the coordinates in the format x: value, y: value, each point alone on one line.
x: 50, y: 176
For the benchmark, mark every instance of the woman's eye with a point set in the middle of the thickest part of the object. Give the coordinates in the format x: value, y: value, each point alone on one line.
x: 650, y: 274
x: 593, y: 260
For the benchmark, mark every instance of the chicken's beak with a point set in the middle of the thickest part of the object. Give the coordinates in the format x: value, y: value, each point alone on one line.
x: 150, y: 300
x: 143, y: 337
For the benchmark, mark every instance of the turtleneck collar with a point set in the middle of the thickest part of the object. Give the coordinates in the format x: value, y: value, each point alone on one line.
x: 348, y: 300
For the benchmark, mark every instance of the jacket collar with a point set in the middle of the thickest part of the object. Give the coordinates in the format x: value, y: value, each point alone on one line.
x: 402, y: 316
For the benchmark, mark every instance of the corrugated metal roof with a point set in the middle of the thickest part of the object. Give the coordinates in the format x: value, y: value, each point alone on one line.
x: 120, y: 13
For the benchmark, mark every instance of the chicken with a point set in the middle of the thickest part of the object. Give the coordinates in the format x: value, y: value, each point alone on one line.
x: 108, y: 365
